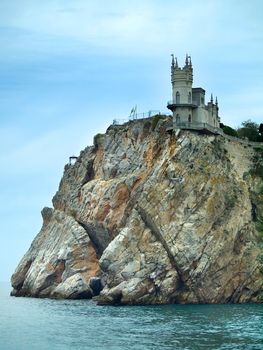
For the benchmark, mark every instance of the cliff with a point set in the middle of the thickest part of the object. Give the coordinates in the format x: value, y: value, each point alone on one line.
x: 145, y: 216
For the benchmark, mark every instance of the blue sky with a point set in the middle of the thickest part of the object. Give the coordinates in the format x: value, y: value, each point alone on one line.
x: 68, y: 68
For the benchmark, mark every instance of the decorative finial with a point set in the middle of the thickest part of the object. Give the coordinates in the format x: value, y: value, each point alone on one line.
x: 186, y: 60
x: 172, y: 60
x: 211, y: 98
x: 190, y: 61
x: 216, y: 101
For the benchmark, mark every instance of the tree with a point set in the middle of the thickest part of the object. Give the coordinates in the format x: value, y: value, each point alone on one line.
x: 249, y: 130
x: 260, y: 130
x: 230, y: 131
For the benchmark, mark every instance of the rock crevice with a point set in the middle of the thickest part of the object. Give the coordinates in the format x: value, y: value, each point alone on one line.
x: 148, y: 217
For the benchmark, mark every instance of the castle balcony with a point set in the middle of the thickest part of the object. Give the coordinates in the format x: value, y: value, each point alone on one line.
x: 172, y: 105
x: 202, y: 127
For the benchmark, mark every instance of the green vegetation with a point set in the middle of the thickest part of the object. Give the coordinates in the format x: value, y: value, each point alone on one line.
x: 248, y: 130
x: 73, y: 213
x: 230, y: 131
x: 155, y: 120
x: 230, y: 200
x: 251, y: 130
x: 259, y: 227
x: 246, y: 175
x: 257, y: 169
x: 96, y: 140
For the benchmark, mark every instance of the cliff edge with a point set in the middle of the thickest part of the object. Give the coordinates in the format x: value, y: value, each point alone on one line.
x: 148, y: 217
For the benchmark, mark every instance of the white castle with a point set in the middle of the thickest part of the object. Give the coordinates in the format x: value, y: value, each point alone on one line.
x: 188, y: 105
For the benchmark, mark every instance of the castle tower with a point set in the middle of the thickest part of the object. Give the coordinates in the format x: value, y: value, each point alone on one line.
x: 182, y: 80
x: 188, y: 104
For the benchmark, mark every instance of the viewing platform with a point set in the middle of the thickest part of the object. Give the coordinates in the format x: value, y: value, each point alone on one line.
x: 172, y: 105
x: 208, y: 129
x: 203, y: 127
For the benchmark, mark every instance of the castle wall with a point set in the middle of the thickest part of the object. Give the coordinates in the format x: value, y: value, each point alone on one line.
x: 188, y: 104
x: 204, y: 115
x: 182, y: 80
x: 184, y: 89
x: 200, y: 115
x: 198, y: 96
x: 182, y: 114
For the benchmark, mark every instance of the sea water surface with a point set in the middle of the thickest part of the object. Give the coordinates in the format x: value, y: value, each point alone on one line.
x: 43, y: 324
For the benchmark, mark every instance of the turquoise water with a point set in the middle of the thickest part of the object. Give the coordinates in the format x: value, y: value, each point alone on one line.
x: 42, y: 324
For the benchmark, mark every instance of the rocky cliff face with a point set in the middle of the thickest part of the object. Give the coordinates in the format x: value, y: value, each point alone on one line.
x: 147, y: 217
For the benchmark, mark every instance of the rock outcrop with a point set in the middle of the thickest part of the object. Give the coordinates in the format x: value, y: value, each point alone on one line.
x: 150, y: 217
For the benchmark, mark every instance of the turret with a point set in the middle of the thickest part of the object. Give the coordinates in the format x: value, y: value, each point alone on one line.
x: 182, y: 80
x: 188, y: 104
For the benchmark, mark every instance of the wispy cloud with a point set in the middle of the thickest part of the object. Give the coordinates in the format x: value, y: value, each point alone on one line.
x: 67, y: 68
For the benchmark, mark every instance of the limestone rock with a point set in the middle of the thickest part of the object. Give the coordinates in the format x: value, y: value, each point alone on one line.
x: 59, y: 263
x: 148, y: 217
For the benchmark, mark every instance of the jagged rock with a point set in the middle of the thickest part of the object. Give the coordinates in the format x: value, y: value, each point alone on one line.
x: 59, y: 263
x: 148, y: 217
x: 74, y: 287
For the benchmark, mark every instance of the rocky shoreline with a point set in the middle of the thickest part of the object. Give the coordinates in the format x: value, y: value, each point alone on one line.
x: 147, y: 217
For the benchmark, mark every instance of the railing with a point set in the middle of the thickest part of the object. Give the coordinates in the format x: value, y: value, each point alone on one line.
x: 193, y: 104
x: 136, y: 116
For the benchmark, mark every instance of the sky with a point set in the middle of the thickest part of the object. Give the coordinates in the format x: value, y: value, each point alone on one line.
x: 68, y: 68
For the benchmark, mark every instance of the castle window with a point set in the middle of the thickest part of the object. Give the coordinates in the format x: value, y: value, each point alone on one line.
x: 177, y: 97
x: 177, y: 118
x: 189, y: 118
x: 189, y: 97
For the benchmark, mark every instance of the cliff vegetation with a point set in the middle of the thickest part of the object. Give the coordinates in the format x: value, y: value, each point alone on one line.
x: 148, y: 217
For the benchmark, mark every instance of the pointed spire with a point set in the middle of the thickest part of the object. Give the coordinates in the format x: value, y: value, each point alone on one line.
x: 172, y: 60
x: 216, y: 101
x: 190, y: 61
x: 176, y: 63
x: 211, y: 98
x: 186, y: 60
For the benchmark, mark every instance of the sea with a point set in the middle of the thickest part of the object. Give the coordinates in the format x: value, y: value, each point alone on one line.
x: 44, y: 324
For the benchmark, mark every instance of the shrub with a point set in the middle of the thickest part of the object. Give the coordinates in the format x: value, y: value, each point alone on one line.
x: 257, y: 169
x: 155, y: 120
x: 73, y: 213
x: 96, y: 140
x: 249, y: 130
x: 230, y: 131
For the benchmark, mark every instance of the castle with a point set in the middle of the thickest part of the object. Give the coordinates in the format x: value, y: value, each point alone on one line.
x: 188, y: 105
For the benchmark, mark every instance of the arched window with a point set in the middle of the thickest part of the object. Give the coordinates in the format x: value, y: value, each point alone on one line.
x: 177, y: 118
x: 177, y: 97
x: 189, y: 97
x: 189, y: 118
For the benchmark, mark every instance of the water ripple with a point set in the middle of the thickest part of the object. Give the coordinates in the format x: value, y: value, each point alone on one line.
x: 42, y: 324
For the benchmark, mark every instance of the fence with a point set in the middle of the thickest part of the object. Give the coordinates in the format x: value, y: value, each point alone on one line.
x: 136, y: 116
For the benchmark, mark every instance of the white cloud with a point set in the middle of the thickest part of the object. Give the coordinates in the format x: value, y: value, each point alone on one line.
x: 43, y: 47
x: 138, y: 27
